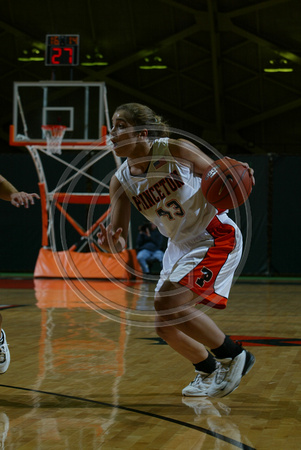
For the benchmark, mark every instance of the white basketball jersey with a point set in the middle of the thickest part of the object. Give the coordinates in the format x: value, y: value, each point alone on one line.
x: 169, y: 194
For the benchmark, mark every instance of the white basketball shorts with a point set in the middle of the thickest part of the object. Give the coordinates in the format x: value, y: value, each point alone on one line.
x: 206, y: 264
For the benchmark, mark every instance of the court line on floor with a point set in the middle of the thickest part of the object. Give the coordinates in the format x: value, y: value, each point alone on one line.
x: 137, y: 411
x: 12, y: 306
x: 253, y: 341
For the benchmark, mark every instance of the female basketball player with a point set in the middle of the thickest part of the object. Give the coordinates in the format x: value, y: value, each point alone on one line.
x: 162, y: 178
x: 10, y: 193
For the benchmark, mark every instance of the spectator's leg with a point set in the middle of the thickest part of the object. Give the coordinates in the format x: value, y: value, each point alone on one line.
x: 143, y: 256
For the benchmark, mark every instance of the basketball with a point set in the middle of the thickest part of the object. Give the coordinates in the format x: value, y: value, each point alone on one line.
x: 226, y: 184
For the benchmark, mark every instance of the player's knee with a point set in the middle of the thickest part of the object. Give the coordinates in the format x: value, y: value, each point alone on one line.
x: 162, y: 305
x: 166, y: 309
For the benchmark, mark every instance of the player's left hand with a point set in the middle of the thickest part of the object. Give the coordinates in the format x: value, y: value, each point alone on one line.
x: 251, y: 171
x: 23, y: 199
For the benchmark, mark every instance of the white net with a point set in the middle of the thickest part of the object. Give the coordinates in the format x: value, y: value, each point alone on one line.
x: 54, y: 135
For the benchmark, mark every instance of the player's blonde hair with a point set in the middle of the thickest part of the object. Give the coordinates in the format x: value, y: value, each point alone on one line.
x: 142, y: 116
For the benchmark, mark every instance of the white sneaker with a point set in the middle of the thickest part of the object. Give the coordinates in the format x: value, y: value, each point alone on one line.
x: 200, y: 385
x: 4, y: 354
x: 229, y: 373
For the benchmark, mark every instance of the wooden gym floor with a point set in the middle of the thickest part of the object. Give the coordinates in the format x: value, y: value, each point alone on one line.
x: 88, y: 372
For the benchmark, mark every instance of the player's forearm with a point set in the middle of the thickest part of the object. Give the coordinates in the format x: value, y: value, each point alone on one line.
x: 6, y: 189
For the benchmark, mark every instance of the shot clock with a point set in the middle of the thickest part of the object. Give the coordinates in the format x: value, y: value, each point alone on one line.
x: 62, y: 50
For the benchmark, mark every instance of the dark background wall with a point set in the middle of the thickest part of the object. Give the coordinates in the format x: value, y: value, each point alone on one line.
x: 274, y: 203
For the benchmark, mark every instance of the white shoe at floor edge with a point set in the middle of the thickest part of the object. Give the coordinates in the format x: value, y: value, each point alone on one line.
x: 4, y: 354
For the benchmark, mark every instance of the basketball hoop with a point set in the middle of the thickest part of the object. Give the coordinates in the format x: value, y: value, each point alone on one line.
x: 54, y: 135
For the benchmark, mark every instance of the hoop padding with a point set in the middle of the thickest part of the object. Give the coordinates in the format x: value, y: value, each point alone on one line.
x: 72, y: 264
x: 96, y: 265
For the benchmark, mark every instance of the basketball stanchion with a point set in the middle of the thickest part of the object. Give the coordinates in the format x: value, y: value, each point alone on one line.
x: 63, y: 117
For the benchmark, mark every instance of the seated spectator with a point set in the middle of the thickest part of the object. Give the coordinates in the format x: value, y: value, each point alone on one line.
x: 148, y: 246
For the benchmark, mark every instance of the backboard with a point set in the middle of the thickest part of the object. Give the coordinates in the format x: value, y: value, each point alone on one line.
x: 80, y: 106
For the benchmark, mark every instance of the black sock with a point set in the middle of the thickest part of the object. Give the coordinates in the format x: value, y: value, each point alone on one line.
x: 229, y: 349
x: 207, y: 366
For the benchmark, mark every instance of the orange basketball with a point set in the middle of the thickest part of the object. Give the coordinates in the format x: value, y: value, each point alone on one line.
x: 226, y: 184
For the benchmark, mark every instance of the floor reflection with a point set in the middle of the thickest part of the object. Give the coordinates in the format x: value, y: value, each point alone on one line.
x: 4, y: 427
x: 79, y: 380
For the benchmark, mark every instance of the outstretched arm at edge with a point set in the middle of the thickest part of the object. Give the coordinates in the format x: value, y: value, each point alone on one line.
x: 11, y: 194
